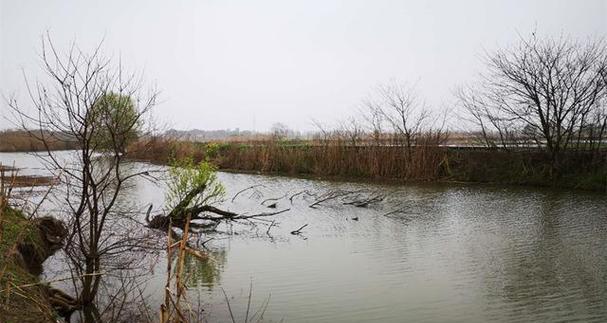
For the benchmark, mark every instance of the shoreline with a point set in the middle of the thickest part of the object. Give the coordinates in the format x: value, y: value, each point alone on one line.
x: 582, y: 171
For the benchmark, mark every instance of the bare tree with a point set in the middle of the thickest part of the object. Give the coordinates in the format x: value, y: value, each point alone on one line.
x: 352, y: 131
x: 67, y: 106
x: 595, y: 131
x: 552, y: 88
x: 374, y: 119
x: 402, y: 109
x: 494, y: 130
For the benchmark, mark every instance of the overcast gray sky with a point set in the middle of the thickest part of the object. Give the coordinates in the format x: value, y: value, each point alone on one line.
x: 248, y: 64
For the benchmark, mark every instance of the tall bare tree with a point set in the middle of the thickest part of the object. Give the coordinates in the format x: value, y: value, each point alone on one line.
x: 402, y: 109
x: 88, y: 99
x: 373, y: 118
x: 550, y: 88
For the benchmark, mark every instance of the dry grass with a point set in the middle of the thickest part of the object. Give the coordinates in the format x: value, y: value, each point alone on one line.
x: 337, y: 156
x: 334, y: 156
x: 20, y: 141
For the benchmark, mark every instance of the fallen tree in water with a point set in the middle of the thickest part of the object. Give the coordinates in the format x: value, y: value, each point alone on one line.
x: 212, y: 215
x: 193, y: 191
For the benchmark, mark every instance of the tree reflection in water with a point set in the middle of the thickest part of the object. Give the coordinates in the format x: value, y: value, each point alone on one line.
x: 205, y: 273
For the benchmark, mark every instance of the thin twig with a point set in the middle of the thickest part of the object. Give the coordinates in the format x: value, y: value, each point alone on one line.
x: 229, y: 307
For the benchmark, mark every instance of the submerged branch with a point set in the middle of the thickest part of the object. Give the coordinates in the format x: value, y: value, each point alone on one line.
x: 298, y: 231
x: 358, y: 198
x: 211, y: 214
x: 244, y: 190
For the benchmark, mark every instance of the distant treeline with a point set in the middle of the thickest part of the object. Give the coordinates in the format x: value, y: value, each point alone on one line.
x: 21, y: 141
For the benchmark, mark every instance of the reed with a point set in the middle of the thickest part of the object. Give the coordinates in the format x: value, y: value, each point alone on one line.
x: 175, y: 307
x: 332, y: 157
x: 21, y: 141
x: 386, y: 159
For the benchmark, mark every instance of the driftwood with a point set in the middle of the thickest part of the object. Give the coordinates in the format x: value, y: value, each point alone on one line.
x: 270, y: 227
x: 298, y: 231
x: 244, y: 190
x: 273, y: 199
x: 62, y: 303
x: 304, y: 193
x: 328, y: 196
x: 366, y: 200
x: 358, y: 198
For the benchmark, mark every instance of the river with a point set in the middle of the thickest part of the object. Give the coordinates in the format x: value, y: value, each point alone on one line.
x: 454, y: 253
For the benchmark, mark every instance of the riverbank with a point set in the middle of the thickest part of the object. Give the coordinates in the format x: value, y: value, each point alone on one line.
x: 24, y: 245
x: 425, y: 163
x: 19, y: 304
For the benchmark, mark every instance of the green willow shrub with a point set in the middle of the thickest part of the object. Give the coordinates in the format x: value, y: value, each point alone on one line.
x: 115, y: 122
x: 187, y: 177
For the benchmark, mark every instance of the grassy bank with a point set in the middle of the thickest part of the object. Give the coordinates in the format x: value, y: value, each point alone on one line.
x: 22, y: 299
x: 424, y: 162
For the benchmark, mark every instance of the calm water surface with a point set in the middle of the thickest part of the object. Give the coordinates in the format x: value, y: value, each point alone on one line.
x: 456, y: 253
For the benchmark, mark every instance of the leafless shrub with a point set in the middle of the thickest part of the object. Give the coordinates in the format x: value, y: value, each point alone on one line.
x: 100, y: 107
